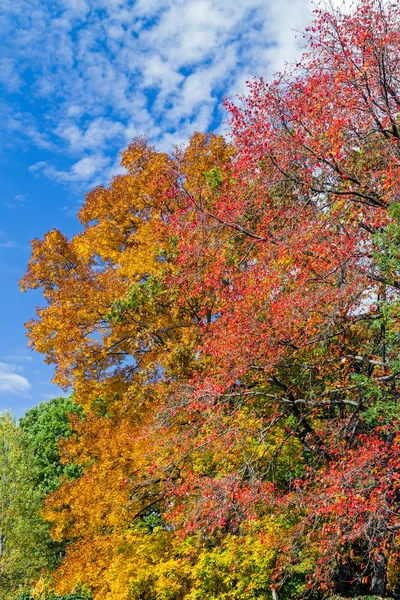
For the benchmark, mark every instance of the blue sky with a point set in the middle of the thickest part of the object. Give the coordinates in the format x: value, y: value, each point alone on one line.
x: 78, y: 80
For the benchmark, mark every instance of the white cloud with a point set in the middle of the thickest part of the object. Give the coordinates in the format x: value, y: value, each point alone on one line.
x: 97, y: 133
x: 21, y: 198
x: 39, y: 166
x: 88, y: 166
x: 76, y: 7
x: 11, y: 382
x: 83, y: 170
x: 9, y: 76
x: 106, y: 70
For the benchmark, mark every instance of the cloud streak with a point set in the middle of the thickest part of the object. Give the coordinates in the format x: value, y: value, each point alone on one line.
x: 11, y: 382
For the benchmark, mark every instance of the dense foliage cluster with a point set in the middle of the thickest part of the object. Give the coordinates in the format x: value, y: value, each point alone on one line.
x: 229, y: 322
x: 30, y: 468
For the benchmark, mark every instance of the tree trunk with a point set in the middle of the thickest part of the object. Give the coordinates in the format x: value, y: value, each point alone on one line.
x: 378, y: 586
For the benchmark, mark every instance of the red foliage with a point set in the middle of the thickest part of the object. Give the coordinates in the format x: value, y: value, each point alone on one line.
x: 283, y: 251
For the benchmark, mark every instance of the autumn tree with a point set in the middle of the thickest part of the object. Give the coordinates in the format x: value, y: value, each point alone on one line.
x: 117, y: 332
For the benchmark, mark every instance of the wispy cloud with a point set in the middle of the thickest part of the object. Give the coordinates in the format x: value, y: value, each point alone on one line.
x: 6, y: 243
x: 12, y: 382
x: 84, y: 169
x: 103, y: 71
x: 47, y: 397
x: 18, y: 358
x: 17, y: 201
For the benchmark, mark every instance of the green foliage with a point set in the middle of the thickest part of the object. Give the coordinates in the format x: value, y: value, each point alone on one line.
x: 43, y: 426
x: 148, y: 292
x: 30, y: 468
x: 149, y: 522
x: 214, y: 178
x: 387, y: 243
x: 23, y: 534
